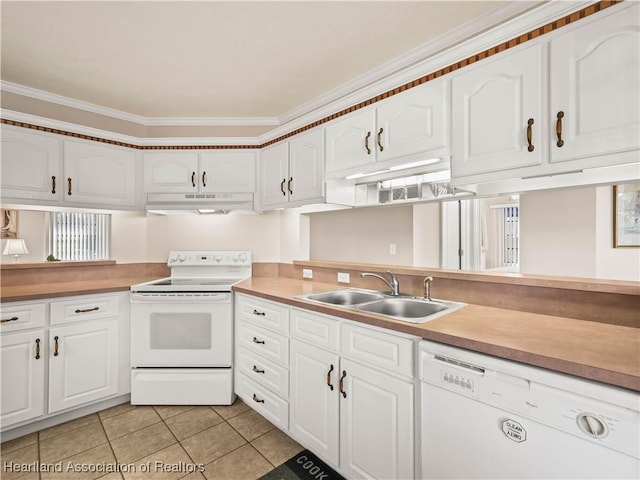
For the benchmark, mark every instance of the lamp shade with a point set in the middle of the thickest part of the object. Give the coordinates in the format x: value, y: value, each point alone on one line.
x: 15, y: 246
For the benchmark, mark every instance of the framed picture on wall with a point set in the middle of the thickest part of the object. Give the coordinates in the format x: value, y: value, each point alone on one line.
x: 626, y: 215
x: 9, y: 223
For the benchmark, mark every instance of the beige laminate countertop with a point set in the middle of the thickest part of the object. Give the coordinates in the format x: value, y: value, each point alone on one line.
x: 592, y: 350
x: 38, y: 291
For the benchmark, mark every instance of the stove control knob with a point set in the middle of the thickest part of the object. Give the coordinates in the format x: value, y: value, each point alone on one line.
x: 236, y: 258
x: 181, y: 258
x: 218, y: 258
x: 243, y: 257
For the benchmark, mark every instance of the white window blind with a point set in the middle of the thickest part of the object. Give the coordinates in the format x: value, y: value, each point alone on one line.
x: 79, y: 235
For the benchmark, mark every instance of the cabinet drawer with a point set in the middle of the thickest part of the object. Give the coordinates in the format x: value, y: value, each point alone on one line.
x: 266, y: 403
x: 80, y: 309
x: 319, y: 330
x: 378, y: 349
x: 264, y: 372
x: 266, y: 313
x: 263, y: 342
x: 22, y: 316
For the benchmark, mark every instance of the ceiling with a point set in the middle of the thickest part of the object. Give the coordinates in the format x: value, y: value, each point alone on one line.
x: 175, y: 59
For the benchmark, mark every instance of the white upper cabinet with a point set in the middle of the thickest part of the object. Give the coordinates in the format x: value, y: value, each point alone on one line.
x: 595, y: 88
x: 30, y: 165
x: 171, y: 172
x: 406, y: 127
x: 192, y: 172
x: 563, y: 103
x: 95, y: 174
x: 349, y: 142
x: 228, y: 171
x: 497, y: 106
x: 292, y: 172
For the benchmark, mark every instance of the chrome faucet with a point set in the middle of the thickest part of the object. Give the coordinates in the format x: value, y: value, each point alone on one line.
x: 394, y: 285
x: 427, y: 288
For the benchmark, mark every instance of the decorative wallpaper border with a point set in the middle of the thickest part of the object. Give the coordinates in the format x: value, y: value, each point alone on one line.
x: 525, y: 37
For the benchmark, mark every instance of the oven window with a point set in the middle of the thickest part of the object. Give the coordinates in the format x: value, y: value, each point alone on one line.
x: 180, y: 331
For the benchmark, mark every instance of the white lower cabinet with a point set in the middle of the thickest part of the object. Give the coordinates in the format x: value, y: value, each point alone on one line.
x: 355, y: 413
x: 22, y: 367
x: 76, y: 339
x: 83, y: 365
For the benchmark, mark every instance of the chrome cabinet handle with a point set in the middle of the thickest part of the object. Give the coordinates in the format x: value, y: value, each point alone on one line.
x: 69, y: 186
x: 256, y: 399
x: 53, y: 185
x: 257, y: 370
x: 530, y: 148
x: 284, y: 180
x: 204, y: 179
x: 289, y: 186
x: 55, y: 346
x: 329, y: 384
x: 255, y: 340
x: 559, y: 118
x: 256, y: 312
x: 85, y: 310
x: 344, y: 374
x: 37, y: 349
x: 12, y: 319
x: 380, y: 139
x: 366, y: 143
x: 193, y: 179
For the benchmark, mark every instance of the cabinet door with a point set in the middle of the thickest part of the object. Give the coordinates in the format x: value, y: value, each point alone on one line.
x: 306, y: 166
x: 376, y: 424
x: 30, y: 165
x: 228, y: 171
x: 595, y: 73
x: 413, y: 122
x: 22, y: 364
x: 492, y: 105
x: 99, y: 175
x: 85, y: 368
x: 314, y: 399
x: 171, y: 172
x: 350, y: 143
x: 274, y: 173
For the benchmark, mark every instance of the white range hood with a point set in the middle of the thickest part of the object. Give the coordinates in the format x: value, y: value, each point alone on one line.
x: 199, y: 203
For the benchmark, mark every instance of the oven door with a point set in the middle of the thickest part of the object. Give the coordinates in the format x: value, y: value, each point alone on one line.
x: 181, y: 330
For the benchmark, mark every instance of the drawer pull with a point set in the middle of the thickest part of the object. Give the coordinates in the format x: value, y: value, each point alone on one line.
x: 530, y: 146
x: 55, y: 346
x: 37, y: 349
x: 257, y: 370
x: 255, y: 340
x: 12, y: 319
x: 366, y: 143
x: 344, y: 374
x: 329, y: 384
x: 380, y: 139
x: 256, y: 399
x: 289, y: 186
x: 69, y: 186
x: 193, y: 179
x: 53, y: 185
x: 204, y: 179
x: 256, y: 312
x: 559, y: 118
x: 284, y: 180
x: 85, y: 310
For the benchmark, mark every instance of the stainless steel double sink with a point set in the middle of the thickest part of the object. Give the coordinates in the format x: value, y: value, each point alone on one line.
x: 398, y: 307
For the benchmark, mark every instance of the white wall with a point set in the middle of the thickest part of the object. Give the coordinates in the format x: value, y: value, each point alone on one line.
x: 363, y: 235
x: 426, y: 235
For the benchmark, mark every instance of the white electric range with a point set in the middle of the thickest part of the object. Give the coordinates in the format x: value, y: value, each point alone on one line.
x: 182, y: 330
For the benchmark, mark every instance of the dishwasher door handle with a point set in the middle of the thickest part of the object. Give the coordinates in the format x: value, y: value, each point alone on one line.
x: 512, y: 380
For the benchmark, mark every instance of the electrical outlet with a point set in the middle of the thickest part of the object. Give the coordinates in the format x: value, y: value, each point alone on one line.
x: 343, y: 277
x: 392, y: 249
x: 307, y: 273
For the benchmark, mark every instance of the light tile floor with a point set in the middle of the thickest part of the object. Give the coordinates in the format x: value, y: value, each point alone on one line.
x: 158, y: 443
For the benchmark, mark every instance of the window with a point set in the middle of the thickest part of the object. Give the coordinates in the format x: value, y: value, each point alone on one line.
x: 79, y: 235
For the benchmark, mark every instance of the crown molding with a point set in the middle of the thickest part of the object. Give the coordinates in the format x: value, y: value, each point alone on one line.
x: 137, y: 119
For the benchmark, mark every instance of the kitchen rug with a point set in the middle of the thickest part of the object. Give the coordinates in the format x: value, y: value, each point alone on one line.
x: 303, y: 466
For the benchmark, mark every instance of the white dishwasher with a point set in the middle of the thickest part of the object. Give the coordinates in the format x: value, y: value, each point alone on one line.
x: 485, y: 417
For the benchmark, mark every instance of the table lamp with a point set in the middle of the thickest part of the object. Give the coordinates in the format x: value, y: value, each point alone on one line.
x: 15, y: 247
